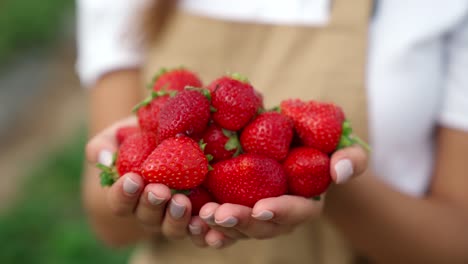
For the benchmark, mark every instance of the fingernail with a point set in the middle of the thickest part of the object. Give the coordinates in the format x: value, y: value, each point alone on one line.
x: 228, y: 222
x: 155, y: 200
x: 344, y: 170
x: 209, y: 219
x: 129, y: 186
x: 217, y: 244
x: 264, y: 215
x: 176, y: 210
x: 195, y: 230
x: 105, y: 157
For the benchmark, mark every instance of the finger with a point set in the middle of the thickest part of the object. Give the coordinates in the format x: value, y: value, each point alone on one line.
x: 207, y: 213
x: 177, y: 217
x: 102, y: 146
x: 124, y: 194
x: 198, y: 229
x: 287, y: 209
x: 239, y: 218
x: 152, y: 205
x: 218, y: 240
x: 348, y: 163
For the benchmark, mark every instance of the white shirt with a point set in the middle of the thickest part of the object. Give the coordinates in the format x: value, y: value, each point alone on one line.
x: 417, y: 67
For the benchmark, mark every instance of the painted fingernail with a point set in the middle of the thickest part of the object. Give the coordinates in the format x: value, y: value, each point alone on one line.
x: 176, y: 210
x: 129, y: 186
x: 209, y: 219
x: 155, y: 200
x: 228, y: 222
x: 105, y: 157
x: 264, y: 215
x: 344, y: 170
x: 195, y: 229
x: 217, y: 244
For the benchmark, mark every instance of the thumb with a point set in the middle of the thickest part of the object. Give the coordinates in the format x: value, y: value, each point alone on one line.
x: 348, y: 163
x: 102, y: 147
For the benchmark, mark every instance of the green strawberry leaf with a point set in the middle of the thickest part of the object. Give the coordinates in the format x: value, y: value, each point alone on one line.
x: 348, y: 139
x: 202, y: 144
x: 149, y: 99
x: 239, y: 77
x: 156, y: 77
x: 233, y: 142
x: 108, y: 175
x: 317, y: 198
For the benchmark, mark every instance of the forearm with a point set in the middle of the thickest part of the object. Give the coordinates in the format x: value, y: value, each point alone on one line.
x: 392, y: 227
x: 111, y: 99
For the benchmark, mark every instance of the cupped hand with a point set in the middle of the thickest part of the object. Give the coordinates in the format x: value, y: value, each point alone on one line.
x: 272, y: 217
x: 152, y: 205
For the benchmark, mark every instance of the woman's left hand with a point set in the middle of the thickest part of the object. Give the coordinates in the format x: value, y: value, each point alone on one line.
x: 219, y: 226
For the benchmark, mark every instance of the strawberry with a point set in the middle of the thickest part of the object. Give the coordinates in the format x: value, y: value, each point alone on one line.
x: 269, y: 134
x: 221, y: 143
x: 175, y: 80
x: 199, y: 196
x: 246, y: 179
x: 234, y: 102
x: 124, y: 132
x: 148, y: 111
x: 130, y: 156
x: 308, y: 171
x: 134, y: 151
x: 319, y: 125
x: 188, y: 112
x: 177, y: 162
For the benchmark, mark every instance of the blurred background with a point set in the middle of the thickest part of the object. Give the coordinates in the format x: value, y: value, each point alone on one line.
x: 42, y: 135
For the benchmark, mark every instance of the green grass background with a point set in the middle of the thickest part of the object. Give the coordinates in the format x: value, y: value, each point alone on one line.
x: 26, y: 24
x: 47, y: 224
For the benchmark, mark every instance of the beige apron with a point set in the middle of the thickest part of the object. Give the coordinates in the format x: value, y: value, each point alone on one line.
x: 325, y: 63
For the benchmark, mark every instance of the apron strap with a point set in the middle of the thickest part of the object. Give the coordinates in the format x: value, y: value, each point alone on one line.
x: 350, y: 13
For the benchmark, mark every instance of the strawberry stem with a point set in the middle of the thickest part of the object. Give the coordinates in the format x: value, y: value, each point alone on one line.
x: 348, y: 139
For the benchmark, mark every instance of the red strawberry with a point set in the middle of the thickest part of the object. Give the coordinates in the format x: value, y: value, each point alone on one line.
x: 148, y: 112
x: 292, y: 107
x: 175, y: 80
x: 234, y: 101
x: 269, y: 134
x: 220, y: 143
x: 246, y: 179
x: 177, y: 162
x: 308, y: 172
x: 134, y: 151
x: 319, y: 125
x: 199, y: 197
x: 188, y: 112
x: 124, y: 132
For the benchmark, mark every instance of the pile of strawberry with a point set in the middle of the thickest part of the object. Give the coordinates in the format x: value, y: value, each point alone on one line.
x: 218, y: 143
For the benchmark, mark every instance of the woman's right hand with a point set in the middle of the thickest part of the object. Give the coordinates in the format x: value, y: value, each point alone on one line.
x: 153, y: 206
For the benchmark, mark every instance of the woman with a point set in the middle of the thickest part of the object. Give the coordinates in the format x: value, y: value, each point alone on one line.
x: 411, y: 206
